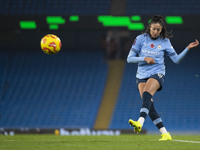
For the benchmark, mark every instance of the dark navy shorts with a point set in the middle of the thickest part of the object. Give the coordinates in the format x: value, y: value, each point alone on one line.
x: 159, y: 77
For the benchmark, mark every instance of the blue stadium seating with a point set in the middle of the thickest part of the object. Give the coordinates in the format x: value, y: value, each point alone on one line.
x: 55, y: 7
x: 96, y: 7
x: 44, y: 91
x: 178, y: 103
x: 169, y: 7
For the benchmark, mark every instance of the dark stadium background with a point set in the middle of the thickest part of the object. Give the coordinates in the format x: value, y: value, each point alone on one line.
x: 82, y: 86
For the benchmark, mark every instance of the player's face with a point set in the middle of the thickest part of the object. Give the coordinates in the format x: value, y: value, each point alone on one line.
x: 155, y: 30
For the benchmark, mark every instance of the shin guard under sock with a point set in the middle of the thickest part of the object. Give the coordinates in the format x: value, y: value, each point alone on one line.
x: 146, y: 105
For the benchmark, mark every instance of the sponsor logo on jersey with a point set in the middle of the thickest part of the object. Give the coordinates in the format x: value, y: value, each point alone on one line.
x: 150, y: 52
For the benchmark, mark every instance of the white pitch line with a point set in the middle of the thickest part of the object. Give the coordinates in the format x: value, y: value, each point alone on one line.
x: 185, y: 141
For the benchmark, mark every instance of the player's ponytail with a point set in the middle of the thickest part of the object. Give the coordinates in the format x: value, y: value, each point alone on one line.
x: 159, y: 19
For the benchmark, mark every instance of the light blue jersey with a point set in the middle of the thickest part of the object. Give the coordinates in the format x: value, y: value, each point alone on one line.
x: 144, y: 46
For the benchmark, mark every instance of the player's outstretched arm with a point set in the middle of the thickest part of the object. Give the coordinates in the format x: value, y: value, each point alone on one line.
x: 193, y: 44
x: 177, y: 58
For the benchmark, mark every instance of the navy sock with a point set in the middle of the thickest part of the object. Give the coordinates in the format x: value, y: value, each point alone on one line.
x: 146, y: 105
x: 155, y: 117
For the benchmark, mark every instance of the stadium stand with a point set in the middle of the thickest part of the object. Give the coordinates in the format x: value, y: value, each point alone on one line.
x: 96, y: 7
x: 55, y: 7
x: 169, y: 7
x: 41, y: 91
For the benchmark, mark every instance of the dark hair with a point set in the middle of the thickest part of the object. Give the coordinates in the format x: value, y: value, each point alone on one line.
x: 159, y: 19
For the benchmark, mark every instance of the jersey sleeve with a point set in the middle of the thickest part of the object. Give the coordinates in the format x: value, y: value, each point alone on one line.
x: 136, y: 46
x: 169, y: 49
x: 173, y: 55
x: 177, y: 58
x: 133, y: 59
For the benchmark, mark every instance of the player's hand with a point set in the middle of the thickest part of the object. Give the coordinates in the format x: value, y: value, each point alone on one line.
x: 149, y: 60
x: 193, y: 44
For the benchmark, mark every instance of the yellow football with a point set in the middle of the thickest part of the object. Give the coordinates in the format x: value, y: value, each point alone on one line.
x: 50, y: 44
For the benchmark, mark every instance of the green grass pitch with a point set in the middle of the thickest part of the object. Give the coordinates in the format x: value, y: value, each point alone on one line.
x: 122, y: 142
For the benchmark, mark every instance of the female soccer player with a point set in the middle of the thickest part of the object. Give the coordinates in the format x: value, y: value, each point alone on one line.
x: 148, y: 51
